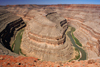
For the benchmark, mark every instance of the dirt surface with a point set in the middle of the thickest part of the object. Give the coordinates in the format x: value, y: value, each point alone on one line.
x: 20, y: 61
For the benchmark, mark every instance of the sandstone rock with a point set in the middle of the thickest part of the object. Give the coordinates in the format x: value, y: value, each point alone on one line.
x: 45, y: 39
x: 87, y: 28
x: 10, y: 24
x: 85, y: 18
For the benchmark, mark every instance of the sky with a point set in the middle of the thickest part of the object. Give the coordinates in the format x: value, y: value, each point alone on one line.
x: 48, y: 2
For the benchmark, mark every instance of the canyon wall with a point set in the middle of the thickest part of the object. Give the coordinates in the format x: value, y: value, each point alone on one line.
x: 10, y: 24
x: 85, y: 18
x: 44, y: 38
x: 86, y: 22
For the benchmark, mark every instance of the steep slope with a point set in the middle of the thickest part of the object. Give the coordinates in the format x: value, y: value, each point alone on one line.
x: 9, y: 26
x: 85, y: 18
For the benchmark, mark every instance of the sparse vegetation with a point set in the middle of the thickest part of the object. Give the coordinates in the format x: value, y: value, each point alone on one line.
x: 77, y: 56
x: 22, y: 53
x: 72, y: 29
x: 75, y: 39
x: 17, y: 41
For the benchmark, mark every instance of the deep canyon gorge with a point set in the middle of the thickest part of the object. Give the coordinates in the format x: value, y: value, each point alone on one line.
x: 45, y: 26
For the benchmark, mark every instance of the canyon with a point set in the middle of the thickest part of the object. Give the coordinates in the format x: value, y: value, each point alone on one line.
x: 84, y: 18
x: 10, y: 24
x: 45, y: 39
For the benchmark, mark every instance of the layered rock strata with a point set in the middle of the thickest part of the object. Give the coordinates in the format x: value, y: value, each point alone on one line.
x: 86, y: 22
x: 9, y: 26
x: 45, y: 38
x: 85, y: 18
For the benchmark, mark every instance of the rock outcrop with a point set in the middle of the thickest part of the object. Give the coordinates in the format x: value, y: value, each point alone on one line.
x: 44, y: 38
x: 86, y: 22
x: 85, y: 18
x: 10, y: 24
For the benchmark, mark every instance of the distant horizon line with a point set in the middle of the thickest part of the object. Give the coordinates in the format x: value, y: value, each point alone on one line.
x: 49, y: 4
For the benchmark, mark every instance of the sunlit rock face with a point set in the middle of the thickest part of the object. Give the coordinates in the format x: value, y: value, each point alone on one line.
x: 85, y: 18
x: 86, y: 22
x: 45, y: 39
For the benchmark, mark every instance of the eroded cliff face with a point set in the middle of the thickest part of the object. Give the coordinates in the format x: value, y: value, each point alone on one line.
x: 10, y: 24
x: 85, y: 18
x: 45, y: 38
x: 86, y: 22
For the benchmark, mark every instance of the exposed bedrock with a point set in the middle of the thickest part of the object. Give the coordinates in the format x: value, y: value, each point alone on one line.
x: 86, y: 22
x: 45, y: 38
x: 9, y: 26
x: 85, y: 18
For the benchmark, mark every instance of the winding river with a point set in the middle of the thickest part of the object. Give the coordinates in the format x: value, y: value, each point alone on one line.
x: 18, y: 42
x: 83, y: 57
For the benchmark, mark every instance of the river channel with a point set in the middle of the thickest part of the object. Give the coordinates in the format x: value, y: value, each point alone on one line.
x: 83, y: 57
x: 18, y: 42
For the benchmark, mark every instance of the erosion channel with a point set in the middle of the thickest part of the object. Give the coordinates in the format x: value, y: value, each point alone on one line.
x: 69, y: 31
x: 83, y: 57
x: 18, y: 42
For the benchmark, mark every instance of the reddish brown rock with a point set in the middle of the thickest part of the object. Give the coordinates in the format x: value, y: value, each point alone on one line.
x: 10, y: 61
